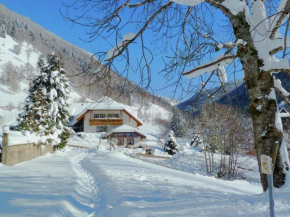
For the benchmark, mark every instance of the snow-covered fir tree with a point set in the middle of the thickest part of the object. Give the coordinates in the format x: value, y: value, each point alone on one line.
x: 46, y: 111
x: 171, y: 145
x: 176, y: 123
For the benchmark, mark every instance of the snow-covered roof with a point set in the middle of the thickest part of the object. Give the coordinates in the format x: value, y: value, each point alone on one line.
x: 284, y: 113
x: 125, y: 129
x: 105, y: 103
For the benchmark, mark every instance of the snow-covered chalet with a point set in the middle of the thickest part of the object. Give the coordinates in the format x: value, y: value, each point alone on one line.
x: 107, y: 115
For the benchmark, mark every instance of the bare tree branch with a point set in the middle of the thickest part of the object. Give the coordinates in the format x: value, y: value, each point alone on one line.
x: 211, y: 64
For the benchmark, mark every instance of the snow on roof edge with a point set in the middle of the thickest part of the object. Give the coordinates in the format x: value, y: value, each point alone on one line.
x: 123, y: 129
x: 99, y: 105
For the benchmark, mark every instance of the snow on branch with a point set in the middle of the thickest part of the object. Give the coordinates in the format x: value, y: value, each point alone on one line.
x: 191, y: 3
x: 276, y: 21
x: 209, y: 67
x: 114, y: 52
x: 281, y: 91
x: 222, y: 74
x: 276, y: 65
x: 235, y: 6
x: 278, y: 85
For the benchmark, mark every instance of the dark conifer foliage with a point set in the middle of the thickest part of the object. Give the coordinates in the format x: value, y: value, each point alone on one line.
x: 46, y: 111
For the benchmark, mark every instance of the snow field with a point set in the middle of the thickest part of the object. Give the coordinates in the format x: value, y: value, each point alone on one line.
x: 92, y: 182
x: 53, y: 185
x: 135, y: 188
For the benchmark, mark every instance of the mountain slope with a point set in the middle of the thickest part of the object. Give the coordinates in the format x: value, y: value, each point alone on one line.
x: 77, y: 63
x: 218, y: 93
x: 23, y: 42
x: 235, y: 94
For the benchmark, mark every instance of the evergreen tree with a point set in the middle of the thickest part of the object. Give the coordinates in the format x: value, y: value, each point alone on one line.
x: 46, y: 109
x: 12, y: 31
x: 171, y: 145
x: 176, y: 124
x: 35, y: 118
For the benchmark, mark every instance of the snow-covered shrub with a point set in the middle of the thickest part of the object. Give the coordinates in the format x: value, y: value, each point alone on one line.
x: 10, y: 106
x: 10, y: 76
x: 17, y: 49
x: 225, y: 133
x: 171, y: 145
x: 196, y: 141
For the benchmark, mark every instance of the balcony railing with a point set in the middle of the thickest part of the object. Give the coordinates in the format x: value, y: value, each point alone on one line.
x: 106, y: 121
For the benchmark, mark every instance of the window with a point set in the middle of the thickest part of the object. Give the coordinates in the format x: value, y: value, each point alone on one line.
x: 113, y: 115
x: 120, y: 134
x: 102, y: 115
x: 99, y: 116
x: 102, y: 128
x: 120, y: 141
x: 130, y: 141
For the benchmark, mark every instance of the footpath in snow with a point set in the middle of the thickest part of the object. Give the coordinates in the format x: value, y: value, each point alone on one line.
x: 131, y: 187
x: 52, y: 185
x: 110, y: 184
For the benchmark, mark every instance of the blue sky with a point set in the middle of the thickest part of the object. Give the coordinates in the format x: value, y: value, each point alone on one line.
x: 46, y: 13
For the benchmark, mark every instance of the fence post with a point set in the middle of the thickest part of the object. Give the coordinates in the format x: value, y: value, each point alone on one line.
x: 5, y: 144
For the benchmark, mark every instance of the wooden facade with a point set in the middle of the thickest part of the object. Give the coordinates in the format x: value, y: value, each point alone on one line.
x: 106, y: 121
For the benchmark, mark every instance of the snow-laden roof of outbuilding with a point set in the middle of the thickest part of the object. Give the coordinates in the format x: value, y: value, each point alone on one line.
x: 284, y: 111
x: 125, y: 129
x: 105, y: 103
x: 285, y: 115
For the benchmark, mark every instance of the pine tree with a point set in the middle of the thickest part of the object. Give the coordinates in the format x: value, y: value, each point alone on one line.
x: 35, y: 118
x: 171, y: 145
x: 46, y: 109
x: 176, y: 124
x: 12, y: 31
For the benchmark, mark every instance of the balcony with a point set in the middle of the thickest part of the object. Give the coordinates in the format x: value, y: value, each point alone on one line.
x: 106, y: 121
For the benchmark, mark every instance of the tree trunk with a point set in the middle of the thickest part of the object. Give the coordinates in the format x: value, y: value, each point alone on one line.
x: 260, y: 85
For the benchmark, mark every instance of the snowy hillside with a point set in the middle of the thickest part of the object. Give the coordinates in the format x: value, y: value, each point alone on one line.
x: 148, y: 114
x: 7, y: 97
x: 219, y: 93
x: 11, y: 102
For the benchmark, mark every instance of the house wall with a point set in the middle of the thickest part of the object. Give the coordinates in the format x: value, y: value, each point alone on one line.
x: 127, y: 120
x: 15, y: 154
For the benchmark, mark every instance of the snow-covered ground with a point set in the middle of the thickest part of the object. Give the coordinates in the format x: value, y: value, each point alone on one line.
x: 91, y: 182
